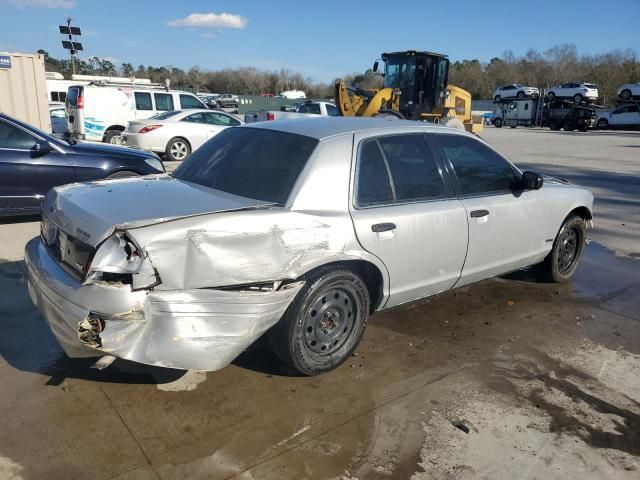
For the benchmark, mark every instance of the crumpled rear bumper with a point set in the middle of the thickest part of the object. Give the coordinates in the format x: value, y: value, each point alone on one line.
x: 200, y: 329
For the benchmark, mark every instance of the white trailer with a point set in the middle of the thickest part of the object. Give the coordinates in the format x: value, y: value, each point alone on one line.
x: 23, y: 89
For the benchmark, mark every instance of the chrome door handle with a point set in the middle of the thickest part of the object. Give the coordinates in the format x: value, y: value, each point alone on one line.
x: 479, y: 213
x: 383, y: 227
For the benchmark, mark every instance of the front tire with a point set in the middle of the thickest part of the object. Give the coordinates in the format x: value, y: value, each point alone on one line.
x: 603, y: 124
x: 496, y: 99
x: 498, y: 123
x: 561, y: 263
x: 577, y: 98
x: 520, y: 95
x: 178, y: 149
x: 551, y: 96
x: 325, y: 322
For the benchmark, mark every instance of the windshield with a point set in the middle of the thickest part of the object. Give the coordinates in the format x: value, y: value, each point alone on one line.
x: 250, y: 162
x: 399, y: 71
x: 164, y: 115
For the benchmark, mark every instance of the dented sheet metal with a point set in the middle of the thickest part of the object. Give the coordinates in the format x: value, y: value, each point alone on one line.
x: 201, y: 329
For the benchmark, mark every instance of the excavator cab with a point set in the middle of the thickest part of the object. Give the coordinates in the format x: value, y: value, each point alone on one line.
x: 421, y: 79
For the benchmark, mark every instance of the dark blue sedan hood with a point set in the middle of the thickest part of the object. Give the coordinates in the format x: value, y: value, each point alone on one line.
x: 108, y: 150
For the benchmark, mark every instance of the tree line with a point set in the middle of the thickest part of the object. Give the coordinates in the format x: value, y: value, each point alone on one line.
x: 558, y: 64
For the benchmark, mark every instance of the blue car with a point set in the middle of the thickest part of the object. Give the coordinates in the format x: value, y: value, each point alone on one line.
x: 32, y: 161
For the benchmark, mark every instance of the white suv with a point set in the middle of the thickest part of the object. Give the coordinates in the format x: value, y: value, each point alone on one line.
x: 577, y: 91
x: 515, y: 91
x: 629, y: 91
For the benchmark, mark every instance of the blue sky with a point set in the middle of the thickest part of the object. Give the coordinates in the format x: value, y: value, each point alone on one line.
x: 321, y: 39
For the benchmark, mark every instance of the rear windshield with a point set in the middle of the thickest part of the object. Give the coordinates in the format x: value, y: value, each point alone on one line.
x: 164, y: 115
x: 590, y: 85
x: 250, y: 162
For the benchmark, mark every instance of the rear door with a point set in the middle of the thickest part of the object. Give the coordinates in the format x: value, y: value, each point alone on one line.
x: 74, y: 105
x: 505, y: 231
x: 405, y: 212
x: 25, y: 175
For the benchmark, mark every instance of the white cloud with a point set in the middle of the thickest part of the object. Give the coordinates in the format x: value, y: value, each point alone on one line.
x: 41, y: 3
x: 210, y: 20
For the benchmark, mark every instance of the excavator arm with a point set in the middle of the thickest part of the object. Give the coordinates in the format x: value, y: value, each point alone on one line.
x: 357, y: 102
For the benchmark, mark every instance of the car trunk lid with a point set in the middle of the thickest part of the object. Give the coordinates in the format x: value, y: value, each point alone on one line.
x: 90, y: 212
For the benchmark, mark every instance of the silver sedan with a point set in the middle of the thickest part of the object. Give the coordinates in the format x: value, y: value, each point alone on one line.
x: 298, y: 228
x: 177, y: 133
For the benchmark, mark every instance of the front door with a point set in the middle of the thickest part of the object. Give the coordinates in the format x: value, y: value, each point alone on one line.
x: 404, y: 212
x: 504, y: 223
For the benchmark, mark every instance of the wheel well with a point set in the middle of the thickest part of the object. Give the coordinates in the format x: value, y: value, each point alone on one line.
x: 117, y: 128
x: 369, y: 273
x: 181, y: 138
x: 582, y: 212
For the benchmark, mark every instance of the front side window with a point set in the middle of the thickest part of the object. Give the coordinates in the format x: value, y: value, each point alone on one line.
x: 479, y: 169
x: 250, y: 162
x: 15, y: 138
x: 143, y: 101
x: 164, y: 102
x: 189, y: 101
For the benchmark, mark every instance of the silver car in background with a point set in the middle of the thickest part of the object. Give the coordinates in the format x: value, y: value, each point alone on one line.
x: 298, y: 228
x: 177, y: 133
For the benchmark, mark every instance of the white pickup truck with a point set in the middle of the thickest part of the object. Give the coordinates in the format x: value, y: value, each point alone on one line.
x: 324, y: 109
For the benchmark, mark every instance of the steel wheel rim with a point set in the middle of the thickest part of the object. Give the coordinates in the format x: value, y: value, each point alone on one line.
x: 178, y: 150
x: 116, y: 140
x: 329, y: 321
x: 569, y: 244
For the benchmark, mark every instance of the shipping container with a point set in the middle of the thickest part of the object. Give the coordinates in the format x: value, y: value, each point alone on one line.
x: 23, y: 89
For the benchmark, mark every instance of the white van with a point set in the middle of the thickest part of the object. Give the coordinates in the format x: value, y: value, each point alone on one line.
x: 101, y: 113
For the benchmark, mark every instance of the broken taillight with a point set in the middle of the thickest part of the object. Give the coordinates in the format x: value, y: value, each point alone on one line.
x: 149, y: 128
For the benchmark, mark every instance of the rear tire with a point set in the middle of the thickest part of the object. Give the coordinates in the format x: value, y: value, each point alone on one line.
x: 178, y: 149
x: 561, y: 263
x: 577, y: 98
x: 498, y: 123
x: 496, y: 98
x: 554, y: 125
x: 325, y: 322
x: 625, y: 94
x: 520, y: 95
x: 114, y: 137
x: 603, y: 124
x: 551, y: 96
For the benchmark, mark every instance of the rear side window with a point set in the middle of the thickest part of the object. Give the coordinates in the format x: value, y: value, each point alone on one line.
x: 253, y: 163
x: 219, y: 119
x: 398, y: 168
x: 14, y: 137
x: 313, y: 108
x: 331, y: 110
x: 479, y: 169
x: 374, y: 185
x: 189, y: 101
x: 143, y: 101
x: 164, y: 102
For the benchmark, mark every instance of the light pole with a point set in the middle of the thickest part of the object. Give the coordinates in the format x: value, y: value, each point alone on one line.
x: 71, y: 44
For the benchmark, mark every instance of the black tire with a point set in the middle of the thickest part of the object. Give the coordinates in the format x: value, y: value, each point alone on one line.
x: 520, y: 95
x: 496, y: 98
x: 389, y: 114
x: 122, y: 174
x: 178, y: 149
x: 603, y: 124
x: 625, y: 94
x: 551, y: 96
x: 561, y: 263
x: 513, y: 126
x: 325, y: 322
x: 582, y: 127
x: 569, y: 125
x: 577, y: 98
x: 114, y: 137
x: 497, y: 123
x: 554, y: 125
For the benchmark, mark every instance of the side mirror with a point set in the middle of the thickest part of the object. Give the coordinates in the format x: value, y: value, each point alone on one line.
x: 531, y: 181
x: 42, y: 147
x: 375, y: 66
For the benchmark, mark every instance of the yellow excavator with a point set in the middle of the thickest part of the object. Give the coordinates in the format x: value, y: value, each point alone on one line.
x: 415, y: 87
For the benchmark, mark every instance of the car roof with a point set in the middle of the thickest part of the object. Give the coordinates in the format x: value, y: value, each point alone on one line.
x: 325, y: 127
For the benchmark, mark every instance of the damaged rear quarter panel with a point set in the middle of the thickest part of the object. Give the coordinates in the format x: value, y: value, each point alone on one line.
x: 278, y: 243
